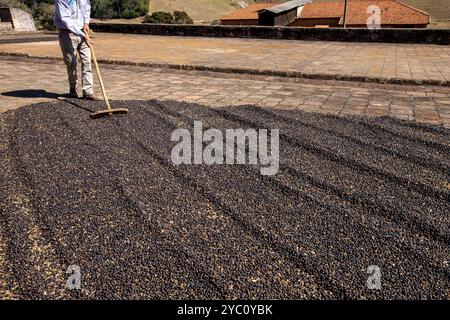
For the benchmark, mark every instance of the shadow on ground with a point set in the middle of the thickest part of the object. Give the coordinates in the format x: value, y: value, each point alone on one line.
x: 32, y: 93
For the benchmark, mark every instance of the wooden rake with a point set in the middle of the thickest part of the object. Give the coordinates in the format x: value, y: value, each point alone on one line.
x: 108, y: 110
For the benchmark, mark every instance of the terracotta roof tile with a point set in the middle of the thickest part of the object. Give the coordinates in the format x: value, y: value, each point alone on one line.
x: 392, y: 12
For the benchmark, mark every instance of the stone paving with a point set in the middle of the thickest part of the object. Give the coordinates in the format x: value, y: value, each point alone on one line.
x: 379, y: 61
x: 24, y: 81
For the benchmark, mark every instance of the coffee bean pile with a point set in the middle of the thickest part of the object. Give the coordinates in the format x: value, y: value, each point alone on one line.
x: 104, y: 195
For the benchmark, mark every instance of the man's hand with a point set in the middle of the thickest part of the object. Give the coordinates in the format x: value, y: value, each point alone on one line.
x: 86, y: 35
x: 86, y: 28
x: 88, y: 40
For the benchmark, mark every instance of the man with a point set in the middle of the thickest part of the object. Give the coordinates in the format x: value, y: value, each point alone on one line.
x: 72, y: 19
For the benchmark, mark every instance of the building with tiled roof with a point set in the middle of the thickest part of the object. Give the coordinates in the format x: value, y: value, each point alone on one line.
x: 282, y: 14
x: 394, y: 14
x: 247, y: 15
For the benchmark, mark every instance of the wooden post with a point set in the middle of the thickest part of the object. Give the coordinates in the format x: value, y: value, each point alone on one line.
x: 99, y: 76
x: 345, y: 13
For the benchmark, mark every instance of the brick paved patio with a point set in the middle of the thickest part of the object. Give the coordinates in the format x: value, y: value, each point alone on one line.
x: 25, y: 81
x: 366, y: 60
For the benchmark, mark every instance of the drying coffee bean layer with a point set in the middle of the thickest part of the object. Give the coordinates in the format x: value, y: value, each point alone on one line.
x: 104, y: 195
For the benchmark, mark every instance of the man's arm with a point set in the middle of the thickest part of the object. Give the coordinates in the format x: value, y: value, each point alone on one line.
x: 86, y: 10
x: 63, y: 13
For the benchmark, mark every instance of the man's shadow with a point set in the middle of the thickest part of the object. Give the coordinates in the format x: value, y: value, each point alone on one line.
x: 32, y: 93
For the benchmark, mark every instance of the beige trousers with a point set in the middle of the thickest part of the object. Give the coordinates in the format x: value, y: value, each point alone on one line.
x: 72, y: 45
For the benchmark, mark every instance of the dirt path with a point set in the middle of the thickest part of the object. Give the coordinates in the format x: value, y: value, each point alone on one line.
x: 104, y: 195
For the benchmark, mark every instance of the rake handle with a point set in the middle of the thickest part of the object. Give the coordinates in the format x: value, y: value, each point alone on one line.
x: 99, y: 76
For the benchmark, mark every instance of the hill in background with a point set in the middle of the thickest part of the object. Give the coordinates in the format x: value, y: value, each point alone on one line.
x: 201, y: 10
x: 438, y: 9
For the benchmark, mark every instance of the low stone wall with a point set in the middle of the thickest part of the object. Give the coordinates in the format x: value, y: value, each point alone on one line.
x: 6, y: 27
x: 22, y: 20
x: 432, y: 36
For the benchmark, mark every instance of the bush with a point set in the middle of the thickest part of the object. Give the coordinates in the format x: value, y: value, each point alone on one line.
x: 43, y: 15
x: 178, y: 17
x: 159, y: 17
x: 181, y: 17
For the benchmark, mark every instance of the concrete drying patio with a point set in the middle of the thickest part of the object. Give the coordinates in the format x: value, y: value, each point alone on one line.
x: 105, y: 196
x: 24, y: 81
x: 375, y: 61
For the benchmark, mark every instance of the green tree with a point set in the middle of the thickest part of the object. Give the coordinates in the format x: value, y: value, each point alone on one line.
x: 14, y: 3
x: 128, y: 9
x: 103, y: 9
x: 34, y: 3
x: 43, y: 15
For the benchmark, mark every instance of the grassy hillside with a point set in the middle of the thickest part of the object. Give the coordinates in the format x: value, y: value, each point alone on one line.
x: 202, y: 10
x: 199, y: 10
x: 438, y: 9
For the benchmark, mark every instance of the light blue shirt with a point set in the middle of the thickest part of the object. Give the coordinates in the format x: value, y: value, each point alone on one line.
x: 72, y: 15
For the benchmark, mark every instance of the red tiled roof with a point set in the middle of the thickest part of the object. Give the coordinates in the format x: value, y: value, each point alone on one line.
x: 392, y: 12
x: 248, y: 13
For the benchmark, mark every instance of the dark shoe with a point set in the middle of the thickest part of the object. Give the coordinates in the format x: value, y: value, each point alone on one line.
x: 73, y: 93
x: 89, y: 96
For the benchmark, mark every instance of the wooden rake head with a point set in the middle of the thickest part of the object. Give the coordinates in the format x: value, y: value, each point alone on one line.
x: 108, y: 112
